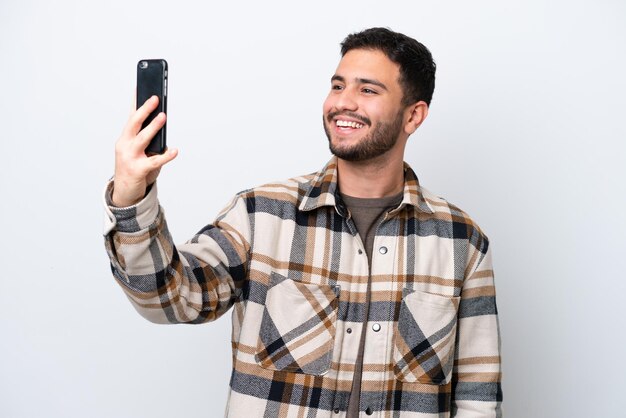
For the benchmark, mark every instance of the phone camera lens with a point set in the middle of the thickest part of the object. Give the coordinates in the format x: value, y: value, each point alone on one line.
x: 143, y: 65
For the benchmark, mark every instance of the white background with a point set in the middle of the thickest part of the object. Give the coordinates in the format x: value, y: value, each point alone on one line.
x: 526, y: 133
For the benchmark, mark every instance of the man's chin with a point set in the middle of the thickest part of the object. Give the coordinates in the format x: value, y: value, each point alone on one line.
x: 347, y: 153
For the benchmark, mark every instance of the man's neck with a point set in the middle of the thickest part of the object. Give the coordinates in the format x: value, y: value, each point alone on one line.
x: 381, y: 177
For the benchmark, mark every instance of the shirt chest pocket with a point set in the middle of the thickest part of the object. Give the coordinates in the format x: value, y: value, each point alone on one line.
x: 298, y: 326
x: 424, y: 338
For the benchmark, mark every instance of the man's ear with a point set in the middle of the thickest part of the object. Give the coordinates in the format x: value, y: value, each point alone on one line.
x: 415, y: 115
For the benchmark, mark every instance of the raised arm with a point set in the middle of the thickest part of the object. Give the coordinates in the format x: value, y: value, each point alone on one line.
x: 195, y: 282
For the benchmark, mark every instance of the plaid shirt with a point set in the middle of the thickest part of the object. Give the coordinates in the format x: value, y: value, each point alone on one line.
x: 287, y: 257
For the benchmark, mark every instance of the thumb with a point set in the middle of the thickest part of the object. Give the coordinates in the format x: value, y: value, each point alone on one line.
x: 159, y: 160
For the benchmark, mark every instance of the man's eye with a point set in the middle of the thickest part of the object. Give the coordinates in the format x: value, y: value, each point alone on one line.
x: 336, y: 87
x: 369, y: 91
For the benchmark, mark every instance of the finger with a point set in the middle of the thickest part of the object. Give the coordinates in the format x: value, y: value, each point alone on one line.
x: 146, y: 134
x: 136, y: 118
x: 155, y: 162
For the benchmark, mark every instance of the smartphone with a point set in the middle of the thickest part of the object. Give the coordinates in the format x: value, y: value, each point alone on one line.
x: 152, y: 81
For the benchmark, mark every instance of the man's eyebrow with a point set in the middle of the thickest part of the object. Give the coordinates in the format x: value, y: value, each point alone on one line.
x: 360, y: 81
x: 374, y: 82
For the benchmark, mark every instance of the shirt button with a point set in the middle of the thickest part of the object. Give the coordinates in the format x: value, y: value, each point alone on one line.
x: 369, y: 411
x: 376, y: 327
x: 349, y: 330
x: 336, y: 410
x: 382, y: 250
x: 360, y: 252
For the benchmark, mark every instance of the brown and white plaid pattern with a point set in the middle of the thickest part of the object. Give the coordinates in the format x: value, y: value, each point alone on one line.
x: 298, y: 326
x: 288, y: 259
x: 425, y: 353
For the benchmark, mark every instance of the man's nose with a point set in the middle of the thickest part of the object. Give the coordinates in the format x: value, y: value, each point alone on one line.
x: 346, y: 100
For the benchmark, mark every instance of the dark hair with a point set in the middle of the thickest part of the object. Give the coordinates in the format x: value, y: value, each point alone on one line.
x: 417, y: 68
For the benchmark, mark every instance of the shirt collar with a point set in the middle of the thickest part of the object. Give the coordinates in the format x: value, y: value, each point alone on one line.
x: 322, y: 190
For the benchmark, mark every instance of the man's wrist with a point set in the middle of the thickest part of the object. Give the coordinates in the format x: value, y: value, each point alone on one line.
x: 134, y: 217
x: 121, y: 202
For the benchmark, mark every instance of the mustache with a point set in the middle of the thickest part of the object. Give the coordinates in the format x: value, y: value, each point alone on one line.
x: 333, y: 115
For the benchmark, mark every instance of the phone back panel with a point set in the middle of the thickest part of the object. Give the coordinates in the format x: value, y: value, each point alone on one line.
x: 151, y: 81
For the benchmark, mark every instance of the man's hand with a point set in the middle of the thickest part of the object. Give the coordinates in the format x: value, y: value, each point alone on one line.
x: 134, y: 170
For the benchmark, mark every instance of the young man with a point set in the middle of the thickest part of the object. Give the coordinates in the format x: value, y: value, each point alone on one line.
x: 355, y: 291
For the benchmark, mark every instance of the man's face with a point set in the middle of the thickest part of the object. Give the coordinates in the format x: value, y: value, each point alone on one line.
x: 363, y: 113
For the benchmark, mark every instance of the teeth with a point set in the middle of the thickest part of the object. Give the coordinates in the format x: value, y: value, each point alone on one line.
x: 349, y: 124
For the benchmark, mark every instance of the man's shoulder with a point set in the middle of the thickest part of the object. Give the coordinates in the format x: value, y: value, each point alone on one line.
x: 445, y: 210
x: 289, y: 191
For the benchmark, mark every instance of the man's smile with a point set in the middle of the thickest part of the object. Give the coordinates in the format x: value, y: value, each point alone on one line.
x: 345, y: 123
x: 348, y: 124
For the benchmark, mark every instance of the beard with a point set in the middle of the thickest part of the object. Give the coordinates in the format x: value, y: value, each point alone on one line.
x: 381, y: 139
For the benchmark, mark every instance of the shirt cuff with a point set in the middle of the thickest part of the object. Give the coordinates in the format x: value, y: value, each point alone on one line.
x: 132, y: 218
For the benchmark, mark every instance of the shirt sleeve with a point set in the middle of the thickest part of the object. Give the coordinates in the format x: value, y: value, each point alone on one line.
x: 476, y: 376
x: 195, y: 282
